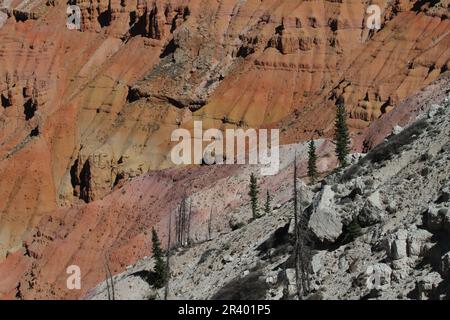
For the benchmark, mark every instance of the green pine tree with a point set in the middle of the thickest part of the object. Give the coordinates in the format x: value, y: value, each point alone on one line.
x: 160, y: 265
x: 312, y: 162
x: 342, y: 136
x: 267, y: 206
x: 253, y: 193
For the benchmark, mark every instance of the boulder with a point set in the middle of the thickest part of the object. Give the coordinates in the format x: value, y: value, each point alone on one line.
x: 434, y: 110
x: 426, y: 286
x: 391, y: 207
x: 372, y: 211
x: 357, y: 187
x: 398, y: 249
x: 227, y: 258
x: 237, y: 220
x: 324, y: 222
x: 397, y: 245
x: 304, y: 192
x: 359, y: 184
x: 437, y: 218
x: 339, y: 189
x: 445, y: 195
x: 403, y: 265
x: 396, y: 130
x: 354, y: 157
x: 417, y: 242
x: 376, y: 276
x: 316, y: 262
x: 270, y: 280
x: 343, y: 264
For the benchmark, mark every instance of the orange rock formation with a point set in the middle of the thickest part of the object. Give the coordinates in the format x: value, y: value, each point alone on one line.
x: 84, y: 111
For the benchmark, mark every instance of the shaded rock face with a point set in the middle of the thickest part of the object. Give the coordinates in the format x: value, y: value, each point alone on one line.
x: 24, y: 10
x: 437, y: 217
x: 82, y: 112
x: 427, y: 286
x: 377, y: 276
x: 373, y: 210
x: 151, y: 19
x: 95, y: 176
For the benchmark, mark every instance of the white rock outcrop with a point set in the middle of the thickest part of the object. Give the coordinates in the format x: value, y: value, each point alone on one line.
x: 324, y: 222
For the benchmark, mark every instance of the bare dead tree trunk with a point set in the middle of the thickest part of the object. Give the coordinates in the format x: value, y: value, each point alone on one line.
x: 210, y: 224
x: 183, y: 224
x: 109, y: 277
x: 305, y: 264
x: 296, y: 231
x: 107, y: 282
x: 180, y: 210
x: 180, y: 222
x: 188, y: 227
x: 302, y: 251
x: 166, y: 290
x: 178, y: 226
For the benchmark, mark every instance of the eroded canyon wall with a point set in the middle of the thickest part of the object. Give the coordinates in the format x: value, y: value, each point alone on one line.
x: 82, y: 111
